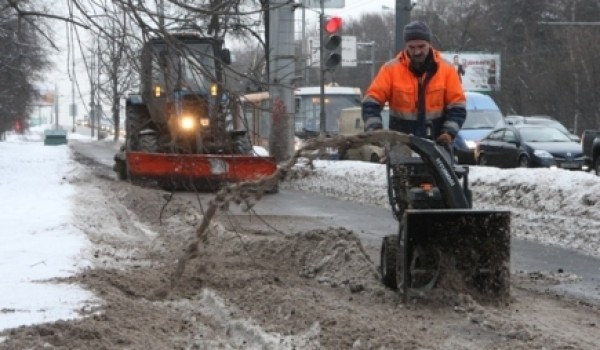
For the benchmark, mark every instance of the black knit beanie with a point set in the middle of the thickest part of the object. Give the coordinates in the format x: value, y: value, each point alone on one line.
x: 417, y: 30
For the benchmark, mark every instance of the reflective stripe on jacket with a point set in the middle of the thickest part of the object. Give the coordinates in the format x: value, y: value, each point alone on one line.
x: 444, y: 105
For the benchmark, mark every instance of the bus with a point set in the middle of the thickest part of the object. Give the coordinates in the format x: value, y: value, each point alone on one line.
x: 307, y: 111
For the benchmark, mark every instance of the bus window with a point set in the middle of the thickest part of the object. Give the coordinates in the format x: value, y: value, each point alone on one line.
x: 308, y: 116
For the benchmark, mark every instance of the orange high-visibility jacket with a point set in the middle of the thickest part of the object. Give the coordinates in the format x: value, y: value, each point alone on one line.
x: 442, y: 107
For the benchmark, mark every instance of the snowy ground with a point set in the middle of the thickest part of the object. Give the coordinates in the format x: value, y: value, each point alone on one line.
x: 52, y: 232
x: 39, y: 238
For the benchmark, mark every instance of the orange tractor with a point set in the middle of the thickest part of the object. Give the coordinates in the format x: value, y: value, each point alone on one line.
x: 183, y: 129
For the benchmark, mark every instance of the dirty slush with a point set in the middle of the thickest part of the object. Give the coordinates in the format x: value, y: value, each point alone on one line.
x: 269, y: 289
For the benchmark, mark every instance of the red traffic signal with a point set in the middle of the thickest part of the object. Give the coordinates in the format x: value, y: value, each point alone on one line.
x: 333, y: 24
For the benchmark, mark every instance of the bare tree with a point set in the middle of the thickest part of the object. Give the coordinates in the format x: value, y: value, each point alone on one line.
x: 22, y: 59
x: 116, y: 63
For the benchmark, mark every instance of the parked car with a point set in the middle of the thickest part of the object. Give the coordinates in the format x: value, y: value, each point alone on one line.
x: 483, y: 115
x: 529, y: 145
x: 542, y: 120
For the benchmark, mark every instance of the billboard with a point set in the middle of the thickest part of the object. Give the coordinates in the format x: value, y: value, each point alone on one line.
x: 328, y: 4
x: 43, y: 95
x: 478, y: 71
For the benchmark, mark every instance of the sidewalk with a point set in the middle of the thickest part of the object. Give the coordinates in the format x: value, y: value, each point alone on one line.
x: 39, y: 240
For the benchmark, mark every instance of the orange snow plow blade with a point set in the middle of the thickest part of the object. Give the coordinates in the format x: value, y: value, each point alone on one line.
x: 199, y: 170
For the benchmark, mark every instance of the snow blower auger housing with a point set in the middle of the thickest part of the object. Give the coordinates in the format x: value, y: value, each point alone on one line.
x: 442, y: 242
x: 183, y: 130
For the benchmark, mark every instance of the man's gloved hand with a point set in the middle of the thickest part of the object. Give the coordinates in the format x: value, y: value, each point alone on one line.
x: 444, y: 139
x: 373, y: 124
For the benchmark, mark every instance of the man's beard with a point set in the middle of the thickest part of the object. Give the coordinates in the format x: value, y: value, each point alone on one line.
x: 419, y: 65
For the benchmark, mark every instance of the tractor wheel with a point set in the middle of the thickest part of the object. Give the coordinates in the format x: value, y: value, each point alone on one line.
x: 597, y: 165
x: 121, y: 168
x: 424, y: 268
x: 136, y: 118
x: 401, y: 280
x: 523, y: 162
x: 375, y: 158
x: 389, y: 253
x: 148, y: 143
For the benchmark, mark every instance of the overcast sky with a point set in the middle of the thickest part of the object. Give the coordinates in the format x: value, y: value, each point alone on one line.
x: 354, y: 8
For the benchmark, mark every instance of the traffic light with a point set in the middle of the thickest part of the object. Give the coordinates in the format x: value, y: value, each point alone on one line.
x: 333, y: 42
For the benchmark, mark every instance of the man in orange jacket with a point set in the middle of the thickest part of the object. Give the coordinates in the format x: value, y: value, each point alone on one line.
x: 424, y: 92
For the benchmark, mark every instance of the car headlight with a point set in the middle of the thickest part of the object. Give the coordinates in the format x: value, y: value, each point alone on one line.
x: 542, y: 154
x: 471, y: 144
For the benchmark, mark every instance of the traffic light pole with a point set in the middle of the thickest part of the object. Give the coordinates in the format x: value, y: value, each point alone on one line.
x: 322, y: 115
x: 403, y: 8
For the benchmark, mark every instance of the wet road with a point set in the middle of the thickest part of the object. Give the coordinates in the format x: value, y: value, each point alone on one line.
x: 292, y: 211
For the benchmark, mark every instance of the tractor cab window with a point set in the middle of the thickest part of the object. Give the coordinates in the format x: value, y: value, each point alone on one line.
x: 188, y: 69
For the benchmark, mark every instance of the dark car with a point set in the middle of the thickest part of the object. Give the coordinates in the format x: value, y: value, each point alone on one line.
x: 483, y: 115
x: 528, y: 145
x: 541, y: 120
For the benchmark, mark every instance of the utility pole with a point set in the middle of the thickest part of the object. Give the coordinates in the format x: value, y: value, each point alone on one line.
x: 281, y: 79
x: 98, y: 105
x: 73, y: 109
x: 71, y: 46
x: 304, y: 58
x: 403, y: 8
x: 161, y: 15
x: 56, y: 106
x: 92, y: 116
x: 322, y: 113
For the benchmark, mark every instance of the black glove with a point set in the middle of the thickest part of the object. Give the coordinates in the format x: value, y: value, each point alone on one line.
x: 373, y: 124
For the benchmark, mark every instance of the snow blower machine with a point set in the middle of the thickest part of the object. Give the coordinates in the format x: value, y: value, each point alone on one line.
x: 442, y: 242
x: 183, y: 129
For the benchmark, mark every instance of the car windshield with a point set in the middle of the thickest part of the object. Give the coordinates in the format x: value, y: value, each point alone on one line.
x: 483, y: 119
x: 544, y: 134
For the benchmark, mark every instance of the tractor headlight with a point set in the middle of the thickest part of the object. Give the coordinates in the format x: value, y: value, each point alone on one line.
x: 187, y: 122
